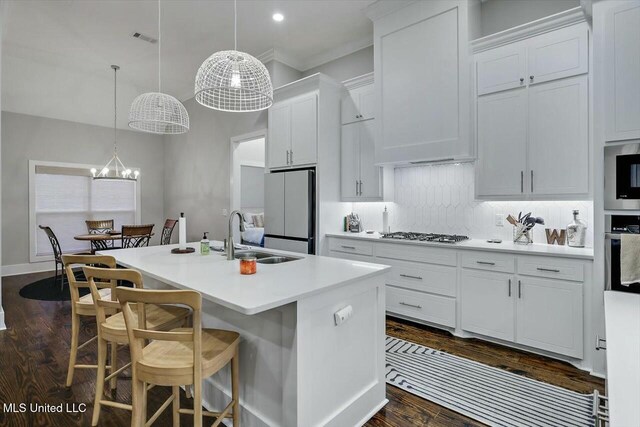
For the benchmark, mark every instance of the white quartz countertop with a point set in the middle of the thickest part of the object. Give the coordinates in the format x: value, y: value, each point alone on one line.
x: 220, y: 281
x: 478, y: 244
x: 622, y: 318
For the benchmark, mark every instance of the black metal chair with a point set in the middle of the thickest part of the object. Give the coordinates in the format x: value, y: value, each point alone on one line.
x: 100, y: 226
x: 167, y: 231
x: 135, y: 236
x: 57, y: 254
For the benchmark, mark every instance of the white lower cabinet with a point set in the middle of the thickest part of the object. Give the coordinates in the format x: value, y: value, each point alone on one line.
x: 549, y: 315
x: 487, y: 304
x: 531, y: 301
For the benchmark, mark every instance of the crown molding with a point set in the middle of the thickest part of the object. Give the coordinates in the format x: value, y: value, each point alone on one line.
x: 382, y: 8
x: 356, y: 82
x: 533, y: 28
x: 274, y: 54
x: 337, y: 53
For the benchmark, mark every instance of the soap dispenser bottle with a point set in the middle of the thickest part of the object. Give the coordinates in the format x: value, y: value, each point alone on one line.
x: 204, y: 244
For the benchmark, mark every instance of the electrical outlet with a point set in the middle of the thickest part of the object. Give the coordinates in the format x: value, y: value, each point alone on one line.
x: 225, y: 212
x: 499, y: 220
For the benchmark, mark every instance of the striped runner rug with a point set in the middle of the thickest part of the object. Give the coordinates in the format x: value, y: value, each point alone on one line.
x: 490, y: 395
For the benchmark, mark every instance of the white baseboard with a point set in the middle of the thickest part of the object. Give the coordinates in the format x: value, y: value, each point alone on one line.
x: 34, y: 267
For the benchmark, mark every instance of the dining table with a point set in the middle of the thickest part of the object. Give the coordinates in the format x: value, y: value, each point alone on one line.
x: 98, y: 240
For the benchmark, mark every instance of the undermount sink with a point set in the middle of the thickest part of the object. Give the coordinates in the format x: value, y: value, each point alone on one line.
x: 276, y: 259
x: 252, y: 254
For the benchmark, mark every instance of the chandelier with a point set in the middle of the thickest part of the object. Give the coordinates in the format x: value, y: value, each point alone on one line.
x: 115, y: 169
x: 157, y: 112
x: 235, y: 81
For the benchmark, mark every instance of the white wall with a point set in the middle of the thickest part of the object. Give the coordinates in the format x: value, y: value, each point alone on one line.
x: 440, y: 199
x: 251, y: 152
x: 197, y: 168
x: 281, y: 74
x: 499, y: 15
x: 37, y: 138
x: 346, y: 67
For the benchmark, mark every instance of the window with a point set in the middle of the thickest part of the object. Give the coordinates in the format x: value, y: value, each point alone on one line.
x: 63, y: 196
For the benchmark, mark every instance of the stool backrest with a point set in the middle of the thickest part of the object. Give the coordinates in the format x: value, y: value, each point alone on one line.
x: 99, y: 226
x: 113, y: 275
x: 55, y: 244
x: 71, y: 261
x: 167, y: 231
x: 138, y: 331
x: 135, y: 236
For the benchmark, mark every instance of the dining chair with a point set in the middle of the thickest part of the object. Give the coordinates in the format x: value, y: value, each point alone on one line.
x: 83, y: 306
x: 112, y: 330
x: 135, y: 236
x: 100, y: 226
x: 57, y: 254
x: 182, y: 356
x: 167, y: 231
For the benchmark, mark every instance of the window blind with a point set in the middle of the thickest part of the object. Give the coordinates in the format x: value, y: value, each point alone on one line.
x: 64, y: 199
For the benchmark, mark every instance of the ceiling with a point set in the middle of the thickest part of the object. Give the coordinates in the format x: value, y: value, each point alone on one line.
x: 56, y: 54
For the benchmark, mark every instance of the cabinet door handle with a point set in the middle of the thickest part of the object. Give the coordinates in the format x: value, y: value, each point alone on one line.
x: 552, y: 270
x: 291, y: 156
x: 521, y: 79
x: 532, y: 180
x: 410, y: 305
x: 519, y: 289
x: 287, y: 156
x: 408, y: 276
x: 348, y: 247
x: 522, y: 181
x: 601, y: 343
x: 485, y: 263
x: 530, y: 78
x: 509, y: 287
x: 357, y: 191
x: 360, y: 187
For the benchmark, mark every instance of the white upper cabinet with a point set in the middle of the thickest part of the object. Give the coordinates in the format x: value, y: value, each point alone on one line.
x: 361, y: 178
x: 358, y: 104
x: 622, y: 72
x: 350, y: 162
x: 558, y: 54
x: 558, y: 137
x: 502, y: 143
x: 501, y: 68
x: 293, y: 132
x: 422, y: 81
x: 533, y: 133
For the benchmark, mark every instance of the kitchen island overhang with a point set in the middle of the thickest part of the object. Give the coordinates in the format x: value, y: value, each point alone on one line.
x: 298, y: 367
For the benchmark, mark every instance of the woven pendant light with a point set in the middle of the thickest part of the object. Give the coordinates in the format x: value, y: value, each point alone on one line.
x: 157, y: 112
x: 233, y: 81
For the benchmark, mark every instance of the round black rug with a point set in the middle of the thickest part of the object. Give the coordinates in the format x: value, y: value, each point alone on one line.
x: 48, y: 289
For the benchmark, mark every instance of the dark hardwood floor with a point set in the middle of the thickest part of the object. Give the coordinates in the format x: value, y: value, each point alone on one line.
x: 35, y: 347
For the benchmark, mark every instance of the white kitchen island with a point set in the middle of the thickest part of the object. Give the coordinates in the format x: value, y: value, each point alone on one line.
x: 298, y: 368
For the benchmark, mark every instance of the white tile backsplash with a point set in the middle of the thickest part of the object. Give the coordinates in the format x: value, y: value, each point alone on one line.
x: 440, y: 199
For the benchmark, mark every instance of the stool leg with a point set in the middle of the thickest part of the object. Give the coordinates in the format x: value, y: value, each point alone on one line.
x: 235, y: 388
x: 138, y: 409
x: 197, y: 402
x: 144, y: 403
x: 73, y: 353
x: 176, y: 406
x: 102, y: 362
x: 113, y: 383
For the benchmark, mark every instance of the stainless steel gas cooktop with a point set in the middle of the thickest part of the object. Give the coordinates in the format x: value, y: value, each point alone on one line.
x: 425, y: 237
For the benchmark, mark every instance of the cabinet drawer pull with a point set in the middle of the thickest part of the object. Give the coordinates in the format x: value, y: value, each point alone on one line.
x: 531, y: 78
x: 408, y: 276
x: 287, y: 157
x: 485, y: 263
x: 509, y: 287
x: 552, y: 270
x: 348, y: 247
x: 519, y: 289
x: 411, y: 305
x: 522, y: 181
x: 532, y: 180
x: 291, y: 156
x: 601, y: 343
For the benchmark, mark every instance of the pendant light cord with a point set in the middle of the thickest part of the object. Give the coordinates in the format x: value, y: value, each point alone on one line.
x: 235, y: 25
x: 159, y: 47
x: 115, y: 111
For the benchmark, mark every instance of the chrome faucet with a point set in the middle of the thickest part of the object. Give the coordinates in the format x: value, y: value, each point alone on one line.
x: 231, y: 255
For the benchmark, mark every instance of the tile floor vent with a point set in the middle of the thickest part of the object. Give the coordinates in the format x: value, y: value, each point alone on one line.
x: 145, y: 38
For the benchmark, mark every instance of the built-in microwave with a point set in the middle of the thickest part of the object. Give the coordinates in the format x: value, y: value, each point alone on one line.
x: 622, y: 177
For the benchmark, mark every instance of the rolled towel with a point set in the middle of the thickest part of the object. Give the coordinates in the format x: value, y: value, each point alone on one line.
x: 629, y: 258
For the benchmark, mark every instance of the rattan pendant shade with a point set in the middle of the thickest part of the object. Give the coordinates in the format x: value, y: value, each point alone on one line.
x: 233, y: 81
x: 157, y: 112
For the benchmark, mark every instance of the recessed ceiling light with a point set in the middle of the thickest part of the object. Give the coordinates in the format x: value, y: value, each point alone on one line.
x: 278, y: 17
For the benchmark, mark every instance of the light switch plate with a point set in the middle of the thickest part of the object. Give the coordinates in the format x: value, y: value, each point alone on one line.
x: 499, y: 220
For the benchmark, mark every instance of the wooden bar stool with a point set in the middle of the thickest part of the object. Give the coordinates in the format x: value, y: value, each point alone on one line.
x: 83, y: 306
x: 112, y: 329
x: 178, y: 357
